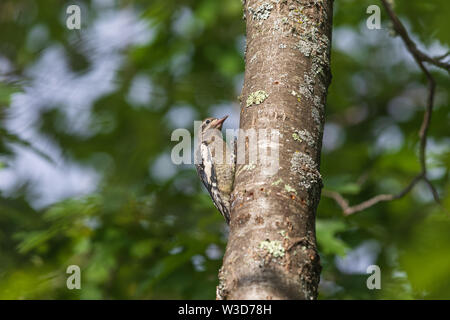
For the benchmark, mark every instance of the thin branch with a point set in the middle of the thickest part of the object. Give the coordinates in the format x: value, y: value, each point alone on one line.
x: 343, y: 203
x: 420, y: 58
x: 435, y: 195
x: 433, y: 190
x: 442, y: 56
x: 348, y: 210
x: 411, y: 46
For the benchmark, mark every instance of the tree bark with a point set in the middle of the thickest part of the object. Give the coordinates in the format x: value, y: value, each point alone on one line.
x: 271, y: 251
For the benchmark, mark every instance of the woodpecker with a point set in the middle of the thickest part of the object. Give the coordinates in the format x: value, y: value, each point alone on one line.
x: 216, y: 164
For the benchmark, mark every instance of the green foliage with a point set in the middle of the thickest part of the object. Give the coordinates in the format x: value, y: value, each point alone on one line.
x: 328, y: 241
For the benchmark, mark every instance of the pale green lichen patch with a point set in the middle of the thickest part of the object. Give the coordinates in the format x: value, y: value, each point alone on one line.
x: 275, y: 248
x: 303, y: 47
x: 296, y: 94
x: 283, y: 234
x: 311, y: 42
x: 307, y: 87
x: 256, y: 97
x: 304, y: 136
x: 262, y: 12
x: 288, y: 188
x: 306, y: 167
x: 315, y: 112
x: 277, y: 182
x: 316, y: 117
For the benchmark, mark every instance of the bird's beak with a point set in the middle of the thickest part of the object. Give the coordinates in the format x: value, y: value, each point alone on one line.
x: 218, y: 123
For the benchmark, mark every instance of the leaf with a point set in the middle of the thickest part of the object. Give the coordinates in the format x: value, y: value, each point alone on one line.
x: 329, y: 243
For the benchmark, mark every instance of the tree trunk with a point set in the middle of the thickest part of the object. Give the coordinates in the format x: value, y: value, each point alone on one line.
x: 271, y: 251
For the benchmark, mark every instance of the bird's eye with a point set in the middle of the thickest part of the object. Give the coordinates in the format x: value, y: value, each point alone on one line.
x: 208, y: 121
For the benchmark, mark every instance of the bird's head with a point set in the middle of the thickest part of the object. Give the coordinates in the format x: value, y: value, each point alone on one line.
x: 211, y: 127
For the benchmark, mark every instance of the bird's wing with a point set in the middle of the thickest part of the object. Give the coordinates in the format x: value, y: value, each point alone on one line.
x: 206, y: 172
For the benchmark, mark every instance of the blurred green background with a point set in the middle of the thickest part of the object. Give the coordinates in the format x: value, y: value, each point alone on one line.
x: 85, y: 172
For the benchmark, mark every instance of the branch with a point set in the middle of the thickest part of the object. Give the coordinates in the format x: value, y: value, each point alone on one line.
x: 420, y: 58
x: 411, y: 46
x: 442, y: 56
